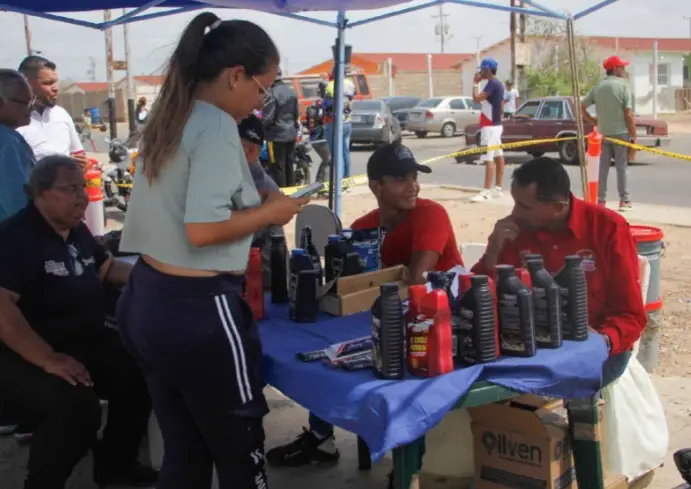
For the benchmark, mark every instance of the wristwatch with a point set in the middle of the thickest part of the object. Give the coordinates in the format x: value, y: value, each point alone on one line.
x: 608, y: 341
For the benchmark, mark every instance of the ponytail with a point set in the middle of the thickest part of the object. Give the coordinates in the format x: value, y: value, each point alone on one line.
x: 161, y: 136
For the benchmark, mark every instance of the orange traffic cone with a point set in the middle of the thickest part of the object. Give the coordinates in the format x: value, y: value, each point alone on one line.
x: 94, y: 216
x: 593, y: 167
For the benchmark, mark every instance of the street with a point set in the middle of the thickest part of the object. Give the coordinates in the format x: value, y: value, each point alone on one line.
x: 652, y: 180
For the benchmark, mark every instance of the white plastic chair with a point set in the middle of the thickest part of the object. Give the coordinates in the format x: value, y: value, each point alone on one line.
x: 471, y: 253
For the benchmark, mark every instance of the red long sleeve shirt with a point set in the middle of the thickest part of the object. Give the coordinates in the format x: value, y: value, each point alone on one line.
x: 603, y: 240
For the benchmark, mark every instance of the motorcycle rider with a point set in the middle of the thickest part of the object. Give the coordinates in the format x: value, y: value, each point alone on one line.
x: 315, y: 126
x: 280, y: 118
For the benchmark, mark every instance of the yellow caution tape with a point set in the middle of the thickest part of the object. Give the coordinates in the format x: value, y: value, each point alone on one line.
x: 639, y: 147
x: 361, y: 179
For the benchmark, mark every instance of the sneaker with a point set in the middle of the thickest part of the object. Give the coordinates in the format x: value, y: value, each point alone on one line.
x: 135, y: 475
x: 306, y: 449
x: 603, y: 203
x: 482, y: 196
x: 625, y: 206
x: 496, y: 193
x: 8, y: 424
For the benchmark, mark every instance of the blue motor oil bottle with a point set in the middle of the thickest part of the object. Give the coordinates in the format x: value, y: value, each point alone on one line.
x: 516, y: 317
x: 304, y: 279
x: 279, y: 269
x: 307, y: 244
x: 476, y: 312
x: 546, y: 305
x: 367, y: 243
x: 574, y: 294
x: 388, y: 334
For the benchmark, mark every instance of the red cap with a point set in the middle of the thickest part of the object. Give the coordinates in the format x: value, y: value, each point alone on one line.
x: 614, y: 62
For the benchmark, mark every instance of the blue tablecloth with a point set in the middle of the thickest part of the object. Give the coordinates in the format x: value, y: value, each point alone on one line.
x: 388, y: 414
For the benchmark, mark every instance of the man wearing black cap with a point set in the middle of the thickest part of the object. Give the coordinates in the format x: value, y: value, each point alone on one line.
x: 252, y: 137
x: 419, y: 235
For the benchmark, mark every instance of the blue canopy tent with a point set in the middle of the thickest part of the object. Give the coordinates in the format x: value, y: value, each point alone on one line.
x: 55, y: 10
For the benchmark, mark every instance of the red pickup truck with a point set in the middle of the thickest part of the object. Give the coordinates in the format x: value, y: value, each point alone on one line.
x: 552, y: 118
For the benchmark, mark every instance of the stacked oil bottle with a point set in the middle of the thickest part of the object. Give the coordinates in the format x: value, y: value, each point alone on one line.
x: 295, y: 279
x: 514, y: 314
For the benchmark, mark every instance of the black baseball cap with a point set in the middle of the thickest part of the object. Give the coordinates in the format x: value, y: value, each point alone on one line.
x: 252, y: 129
x: 394, y: 160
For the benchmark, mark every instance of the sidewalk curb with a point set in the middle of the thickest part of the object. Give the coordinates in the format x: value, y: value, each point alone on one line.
x: 460, y: 188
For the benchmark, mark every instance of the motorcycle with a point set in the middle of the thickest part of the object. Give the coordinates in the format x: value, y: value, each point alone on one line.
x: 117, y: 181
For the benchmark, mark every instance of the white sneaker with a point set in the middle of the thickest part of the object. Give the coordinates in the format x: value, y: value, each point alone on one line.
x: 482, y: 196
x: 497, y: 193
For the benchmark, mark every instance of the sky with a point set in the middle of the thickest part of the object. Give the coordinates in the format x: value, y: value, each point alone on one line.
x: 303, y: 45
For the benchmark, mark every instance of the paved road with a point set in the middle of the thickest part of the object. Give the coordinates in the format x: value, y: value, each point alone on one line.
x: 656, y: 180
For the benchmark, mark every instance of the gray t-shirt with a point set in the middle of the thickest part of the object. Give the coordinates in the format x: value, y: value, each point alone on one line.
x: 205, y: 181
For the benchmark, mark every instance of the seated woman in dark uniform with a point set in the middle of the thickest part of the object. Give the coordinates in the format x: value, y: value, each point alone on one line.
x: 57, y: 358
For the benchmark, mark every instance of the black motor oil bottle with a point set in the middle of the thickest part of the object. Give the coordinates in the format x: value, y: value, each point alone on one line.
x: 307, y: 244
x: 304, y: 279
x: 476, y: 310
x: 279, y: 269
x: 388, y: 333
x: 546, y: 305
x: 574, y: 294
x: 516, y: 318
x: 340, y: 259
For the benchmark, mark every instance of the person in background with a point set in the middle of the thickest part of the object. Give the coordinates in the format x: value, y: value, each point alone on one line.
x: 85, y: 133
x: 193, y: 212
x: 549, y: 220
x: 510, y: 100
x: 280, y: 118
x: 252, y: 138
x: 16, y: 161
x: 314, y: 120
x: 51, y: 129
x: 615, y: 119
x: 419, y: 235
x: 492, y: 99
x: 57, y: 356
x: 141, y: 113
x: 328, y: 105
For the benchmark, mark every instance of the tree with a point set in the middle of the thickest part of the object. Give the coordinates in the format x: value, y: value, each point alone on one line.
x: 550, y: 73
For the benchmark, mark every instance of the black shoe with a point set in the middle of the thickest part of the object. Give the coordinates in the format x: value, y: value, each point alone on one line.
x: 307, y: 449
x: 682, y: 458
x: 135, y: 475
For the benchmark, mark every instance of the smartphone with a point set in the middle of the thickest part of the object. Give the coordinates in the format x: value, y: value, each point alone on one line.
x: 309, y: 190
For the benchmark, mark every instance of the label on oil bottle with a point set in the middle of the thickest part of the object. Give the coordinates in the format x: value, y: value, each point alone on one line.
x: 466, y: 346
x: 376, y: 345
x: 565, y: 318
x: 417, y: 345
x: 542, y: 332
x: 510, y: 323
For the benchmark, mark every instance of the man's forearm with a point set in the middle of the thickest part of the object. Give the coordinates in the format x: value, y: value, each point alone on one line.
x: 476, y: 93
x: 119, y: 272
x: 631, y: 123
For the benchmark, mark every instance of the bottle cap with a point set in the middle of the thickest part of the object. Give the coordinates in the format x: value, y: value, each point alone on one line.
x: 479, y: 279
x: 297, y: 252
x: 505, y: 271
x: 389, y: 288
x: 334, y: 238
x: 277, y: 238
x: 572, y: 260
x: 535, y: 264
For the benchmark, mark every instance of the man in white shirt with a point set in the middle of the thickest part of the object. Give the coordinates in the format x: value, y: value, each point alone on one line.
x: 510, y: 100
x: 51, y: 130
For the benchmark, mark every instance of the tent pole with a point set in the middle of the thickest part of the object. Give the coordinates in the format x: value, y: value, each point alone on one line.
x: 580, y: 142
x: 337, y: 153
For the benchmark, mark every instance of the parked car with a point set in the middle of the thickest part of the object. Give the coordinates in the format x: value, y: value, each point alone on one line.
x: 373, y: 123
x: 552, y: 118
x: 446, y: 115
x: 400, y: 106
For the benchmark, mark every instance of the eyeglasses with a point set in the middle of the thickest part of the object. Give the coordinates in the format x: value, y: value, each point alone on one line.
x: 266, y: 95
x: 73, y: 189
x: 29, y: 103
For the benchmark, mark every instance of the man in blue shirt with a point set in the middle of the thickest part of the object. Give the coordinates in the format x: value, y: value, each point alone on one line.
x: 16, y: 156
x: 491, y: 98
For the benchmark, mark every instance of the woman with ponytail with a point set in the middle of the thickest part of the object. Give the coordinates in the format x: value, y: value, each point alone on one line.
x: 192, y: 215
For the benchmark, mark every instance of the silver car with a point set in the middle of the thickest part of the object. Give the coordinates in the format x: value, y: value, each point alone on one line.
x: 445, y: 115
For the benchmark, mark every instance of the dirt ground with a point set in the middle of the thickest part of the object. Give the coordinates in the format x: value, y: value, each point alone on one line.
x: 474, y: 222
x: 678, y: 123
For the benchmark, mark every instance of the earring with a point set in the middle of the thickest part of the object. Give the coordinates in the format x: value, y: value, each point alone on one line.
x: 232, y: 86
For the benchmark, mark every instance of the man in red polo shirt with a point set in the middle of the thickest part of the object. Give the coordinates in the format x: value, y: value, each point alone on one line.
x: 548, y: 219
x: 418, y: 234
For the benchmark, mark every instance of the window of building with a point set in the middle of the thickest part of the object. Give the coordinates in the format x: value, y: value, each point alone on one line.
x: 663, y: 74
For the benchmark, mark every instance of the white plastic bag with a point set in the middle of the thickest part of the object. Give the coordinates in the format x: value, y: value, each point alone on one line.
x: 636, y: 437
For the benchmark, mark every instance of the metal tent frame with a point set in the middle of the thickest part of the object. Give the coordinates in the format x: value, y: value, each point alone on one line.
x: 291, y: 9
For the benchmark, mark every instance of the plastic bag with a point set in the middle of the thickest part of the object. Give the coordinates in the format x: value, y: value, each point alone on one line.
x: 636, y: 437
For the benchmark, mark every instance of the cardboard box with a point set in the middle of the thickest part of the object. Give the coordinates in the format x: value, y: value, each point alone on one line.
x: 357, y: 293
x: 616, y: 481
x: 522, y: 443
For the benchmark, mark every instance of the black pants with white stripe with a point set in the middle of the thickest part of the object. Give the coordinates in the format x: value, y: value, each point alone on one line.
x: 198, y: 346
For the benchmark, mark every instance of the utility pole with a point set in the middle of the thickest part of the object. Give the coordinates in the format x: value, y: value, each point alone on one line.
x: 130, y: 78
x: 112, y: 119
x: 27, y: 35
x: 520, y: 82
x: 442, y: 28
x: 513, y: 29
x: 689, y: 19
x: 477, y: 50
x: 91, y: 71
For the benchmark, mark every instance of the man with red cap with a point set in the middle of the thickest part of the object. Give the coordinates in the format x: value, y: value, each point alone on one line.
x: 613, y: 102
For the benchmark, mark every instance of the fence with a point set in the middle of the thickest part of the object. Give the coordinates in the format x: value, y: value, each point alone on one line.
x: 683, y: 99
